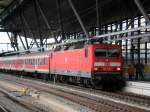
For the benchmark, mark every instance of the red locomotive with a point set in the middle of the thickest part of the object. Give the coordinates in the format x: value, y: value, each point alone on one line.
x: 92, y: 64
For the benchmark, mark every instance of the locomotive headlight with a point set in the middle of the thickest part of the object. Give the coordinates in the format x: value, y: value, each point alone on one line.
x: 95, y: 68
x: 118, y: 68
x: 99, y: 64
x: 115, y: 64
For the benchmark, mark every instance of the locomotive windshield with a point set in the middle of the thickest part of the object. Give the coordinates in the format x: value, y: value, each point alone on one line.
x: 113, y: 53
x: 109, y: 53
x: 100, y: 52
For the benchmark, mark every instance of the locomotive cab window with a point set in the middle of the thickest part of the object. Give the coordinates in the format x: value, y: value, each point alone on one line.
x: 109, y: 53
x: 100, y: 52
x: 113, y: 53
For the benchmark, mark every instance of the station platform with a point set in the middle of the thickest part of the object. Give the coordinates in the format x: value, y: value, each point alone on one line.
x: 138, y: 87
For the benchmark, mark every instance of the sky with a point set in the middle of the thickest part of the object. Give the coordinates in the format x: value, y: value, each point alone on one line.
x: 4, y: 39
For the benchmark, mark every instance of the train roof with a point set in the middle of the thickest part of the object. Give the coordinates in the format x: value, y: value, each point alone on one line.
x: 65, y: 48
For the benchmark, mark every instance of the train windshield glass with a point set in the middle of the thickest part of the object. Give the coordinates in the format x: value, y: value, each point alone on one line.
x: 109, y: 53
x: 113, y: 53
x: 99, y: 52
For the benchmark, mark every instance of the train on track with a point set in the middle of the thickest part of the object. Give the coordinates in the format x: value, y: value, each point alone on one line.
x: 96, y: 65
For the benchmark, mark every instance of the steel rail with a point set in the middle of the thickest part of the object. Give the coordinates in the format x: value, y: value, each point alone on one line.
x: 3, y: 109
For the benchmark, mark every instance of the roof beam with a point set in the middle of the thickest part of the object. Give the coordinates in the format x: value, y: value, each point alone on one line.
x: 30, y: 30
x: 38, y: 22
x: 78, y: 18
x: 10, y: 30
x: 60, y: 21
x: 13, y: 6
x: 45, y: 20
x: 142, y: 10
x: 2, y: 6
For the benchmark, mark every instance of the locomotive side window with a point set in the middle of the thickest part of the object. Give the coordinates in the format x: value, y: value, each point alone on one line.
x: 100, y: 52
x: 86, y: 52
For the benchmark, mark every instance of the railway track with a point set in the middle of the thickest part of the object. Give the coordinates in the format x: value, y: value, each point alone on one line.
x: 3, y: 109
x: 127, y: 97
x: 10, y: 103
x: 130, y: 98
x: 98, y: 104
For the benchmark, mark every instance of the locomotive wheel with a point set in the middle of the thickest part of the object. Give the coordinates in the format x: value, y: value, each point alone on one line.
x: 86, y: 83
x: 96, y: 84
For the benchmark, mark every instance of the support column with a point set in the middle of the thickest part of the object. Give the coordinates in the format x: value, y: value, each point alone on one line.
x: 14, y: 35
x: 22, y: 42
x: 116, y: 29
x: 138, y: 44
x: 111, y: 28
x: 120, y: 28
x: 15, y: 40
x: 97, y: 14
x: 132, y: 51
x: 126, y: 42
x: 24, y: 32
x: 146, y: 52
x: 106, y: 29
x: 31, y: 44
x: 132, y: 45
x: 79, y: 19
x: 12, y: 44
x: 45, y: 42
x: 138, y: 49
x: 126, y: 51
x: 28, y: 27
x: 146, y: 46
x: 93, y: 31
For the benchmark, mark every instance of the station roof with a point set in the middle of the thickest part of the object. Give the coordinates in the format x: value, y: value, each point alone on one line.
x: 16, y: 14
x: 4, y: 4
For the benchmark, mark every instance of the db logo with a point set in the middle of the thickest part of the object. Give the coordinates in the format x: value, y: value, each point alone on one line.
x: 66, y: 60
x: 106, y: 60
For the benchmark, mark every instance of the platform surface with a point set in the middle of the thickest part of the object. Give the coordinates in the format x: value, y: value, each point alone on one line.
x: 138, y: 87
